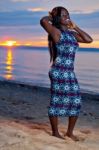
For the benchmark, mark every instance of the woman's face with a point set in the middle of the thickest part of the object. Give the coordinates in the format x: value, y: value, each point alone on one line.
x: 64, y: 17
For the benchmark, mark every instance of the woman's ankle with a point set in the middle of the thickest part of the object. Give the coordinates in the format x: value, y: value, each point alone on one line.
x: 55, y: 133
x: 69, y: 133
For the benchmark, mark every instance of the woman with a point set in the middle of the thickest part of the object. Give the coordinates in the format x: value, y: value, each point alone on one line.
x: 63, y: 37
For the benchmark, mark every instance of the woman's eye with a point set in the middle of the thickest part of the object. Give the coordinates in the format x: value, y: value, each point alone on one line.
x: 63, y: 15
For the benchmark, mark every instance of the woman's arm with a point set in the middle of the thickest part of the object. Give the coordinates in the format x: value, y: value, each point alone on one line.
x: 45, y: 23
x: 49, y: 28
x: 80, y: 35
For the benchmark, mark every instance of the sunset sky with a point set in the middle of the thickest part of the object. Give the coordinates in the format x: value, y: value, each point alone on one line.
x: 19, y: 19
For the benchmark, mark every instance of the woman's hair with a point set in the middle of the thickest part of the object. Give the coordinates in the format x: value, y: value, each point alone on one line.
x: 55, y: 14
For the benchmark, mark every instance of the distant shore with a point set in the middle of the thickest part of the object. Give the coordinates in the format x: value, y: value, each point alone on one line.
x: 88, y: 49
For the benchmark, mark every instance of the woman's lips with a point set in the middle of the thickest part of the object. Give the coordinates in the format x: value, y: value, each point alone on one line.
x: 67, y: 20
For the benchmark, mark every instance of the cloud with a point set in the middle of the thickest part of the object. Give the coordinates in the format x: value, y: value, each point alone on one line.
x: 22, y: 0
x: 19, y: 18
x: 33, y: 16
x: 25, y: 25
x: 22, y: 32
x: 87, y: 20
x: 36, y: 9
x: 28, y: 0
x: 10, y: 5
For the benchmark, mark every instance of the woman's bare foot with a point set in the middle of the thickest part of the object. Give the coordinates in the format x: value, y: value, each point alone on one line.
x: 73, y: 137
x: 58, y: 136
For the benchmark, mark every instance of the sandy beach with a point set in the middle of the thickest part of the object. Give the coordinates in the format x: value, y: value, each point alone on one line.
x: 24, y: 123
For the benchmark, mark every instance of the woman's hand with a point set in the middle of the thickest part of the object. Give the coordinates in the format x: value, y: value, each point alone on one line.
x: 73, y: 25
x: 80, y: 35
x: 70, y: 24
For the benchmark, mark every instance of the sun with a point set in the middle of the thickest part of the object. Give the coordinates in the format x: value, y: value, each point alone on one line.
x: 10, y: 43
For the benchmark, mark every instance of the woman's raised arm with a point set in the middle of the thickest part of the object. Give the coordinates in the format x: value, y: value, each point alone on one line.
x: 81, y: 35
x: 50, y: 29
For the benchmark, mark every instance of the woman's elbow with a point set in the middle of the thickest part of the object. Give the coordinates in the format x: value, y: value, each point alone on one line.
x: 41, y: 22
x: 90, y: 40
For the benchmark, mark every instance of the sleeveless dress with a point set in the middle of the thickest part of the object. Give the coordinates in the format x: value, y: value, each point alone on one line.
x: 65, y: 90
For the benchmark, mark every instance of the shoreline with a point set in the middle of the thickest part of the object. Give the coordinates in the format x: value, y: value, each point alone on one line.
x: 90, y: 94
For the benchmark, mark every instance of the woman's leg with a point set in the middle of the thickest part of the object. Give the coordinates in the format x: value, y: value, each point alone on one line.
x: 71, y: 125
x: 54, y: 126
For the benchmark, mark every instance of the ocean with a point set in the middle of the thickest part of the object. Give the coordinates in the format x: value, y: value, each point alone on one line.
x: 30, y: 65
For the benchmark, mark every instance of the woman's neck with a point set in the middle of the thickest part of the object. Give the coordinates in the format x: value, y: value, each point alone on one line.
x: 64, y: 28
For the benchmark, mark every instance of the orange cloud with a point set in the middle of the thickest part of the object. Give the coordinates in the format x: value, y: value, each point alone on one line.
x: 42, y: 41
x: 37, y: 43
x: 94, y: 44
x: 36, y: 9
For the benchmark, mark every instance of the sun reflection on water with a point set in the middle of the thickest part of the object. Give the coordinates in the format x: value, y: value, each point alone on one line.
x: 9, y: 64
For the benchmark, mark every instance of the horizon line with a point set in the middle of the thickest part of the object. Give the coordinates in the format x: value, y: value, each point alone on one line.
x: 35, y: 46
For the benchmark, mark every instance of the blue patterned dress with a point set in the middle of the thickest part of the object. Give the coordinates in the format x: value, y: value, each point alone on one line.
x: 65, y: 90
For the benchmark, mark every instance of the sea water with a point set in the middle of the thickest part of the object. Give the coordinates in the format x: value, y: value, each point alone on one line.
x: 30, y: 65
